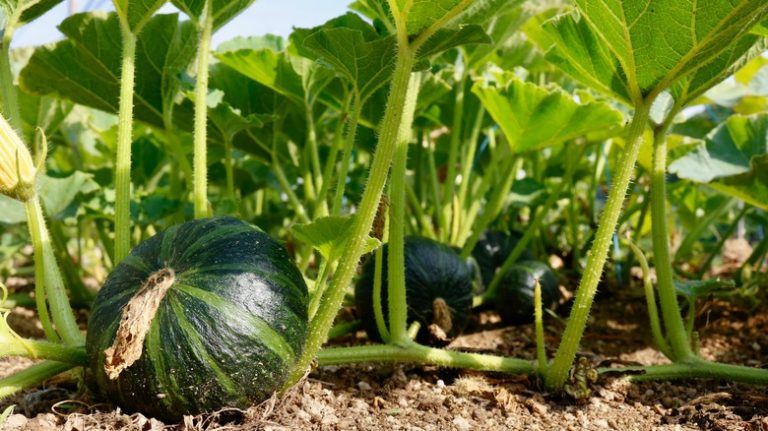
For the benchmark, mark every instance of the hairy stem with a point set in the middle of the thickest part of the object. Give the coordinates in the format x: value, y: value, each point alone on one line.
x: 124, y: 131
x: 557, y: 373
x: 398, y: 307
x: 200, y: 160
x: 412, y: 352
x: 390, y: 132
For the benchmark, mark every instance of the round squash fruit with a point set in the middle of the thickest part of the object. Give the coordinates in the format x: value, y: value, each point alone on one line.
x: 492, y: 250
x: 514, y: 297
x: 207, y: 314
x: 438, y: 286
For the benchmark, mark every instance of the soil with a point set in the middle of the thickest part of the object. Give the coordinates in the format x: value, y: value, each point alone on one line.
x: 406, y: 397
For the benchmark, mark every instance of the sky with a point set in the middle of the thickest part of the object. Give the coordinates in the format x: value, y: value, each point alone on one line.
x: 264, y: 16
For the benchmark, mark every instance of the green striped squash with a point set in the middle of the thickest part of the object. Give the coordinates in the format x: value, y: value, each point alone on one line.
x: 227, y: 330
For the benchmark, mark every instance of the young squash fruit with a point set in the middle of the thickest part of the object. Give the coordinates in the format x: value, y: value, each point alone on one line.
x: 438, y: 287
x: 492, y: 250
x: 514, y: 297
x: 207, y: 314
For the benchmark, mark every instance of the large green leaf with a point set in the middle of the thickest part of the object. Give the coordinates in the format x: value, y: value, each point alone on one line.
x: 223, y: 10
x: 137, y: 12
x: 633, y: 49
x: 26, y: 10
x: 353, y: 49
x: 733, y: 159
x: 85, y: 67
x: 533, y: 117
x: 267, y: 67
x: 573, y: 47
x: 659, y: 41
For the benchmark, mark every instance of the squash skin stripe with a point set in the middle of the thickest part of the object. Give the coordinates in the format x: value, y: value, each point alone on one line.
x: 278, y: 279
x: 227, y: 332
x: 271, y: 337
x: 153, y: 349
x: 222, y: 378
x: 217, y: 234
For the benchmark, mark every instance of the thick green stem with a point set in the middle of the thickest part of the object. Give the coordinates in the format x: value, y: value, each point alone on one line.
x: 55, y: 293
x: 558, y: 371
x: 398, y: 307
x: 416, y: 353
x: 124, y: 130
x: 8, y: 92
x: 693, y: 368
x: 39, y: 349
x: 349, y: 143
x: 200, y: 141
x: 680, y: 346
x: 390, y: 132
x: 30, y: 377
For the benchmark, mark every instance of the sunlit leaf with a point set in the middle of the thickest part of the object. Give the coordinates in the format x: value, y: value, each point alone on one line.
x: 732, y: 159
x: 534, y: 117
x: 633, y: 49
x: 85, y: 67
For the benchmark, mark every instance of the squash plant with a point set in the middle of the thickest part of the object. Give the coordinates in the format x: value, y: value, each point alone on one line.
x: 317, y: 140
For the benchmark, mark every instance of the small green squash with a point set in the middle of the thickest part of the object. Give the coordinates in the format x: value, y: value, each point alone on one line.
x: 207, y: 314
x: 514, y: 297
x: 492, y: 250
x: 438, y: 287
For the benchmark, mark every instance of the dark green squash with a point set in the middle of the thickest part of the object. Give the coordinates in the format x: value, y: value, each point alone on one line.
x: 492, y: 250
x: 514, y: 297
x: 435, y: 276
x: 226, y: 332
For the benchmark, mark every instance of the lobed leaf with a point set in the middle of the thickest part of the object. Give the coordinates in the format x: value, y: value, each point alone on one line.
x: 634, y: 49
x: 533, y: 117
x: 733, y: 159
x: 85, y: 67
